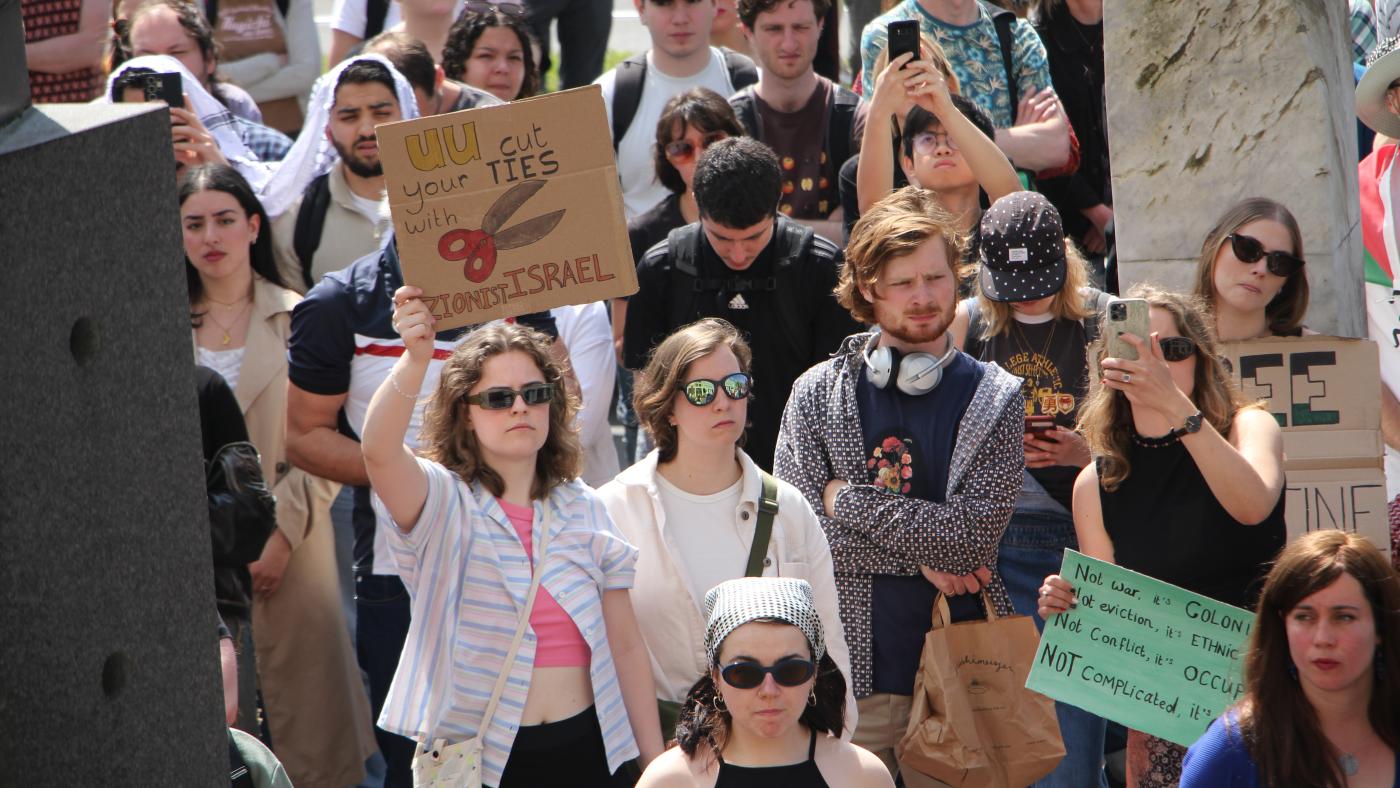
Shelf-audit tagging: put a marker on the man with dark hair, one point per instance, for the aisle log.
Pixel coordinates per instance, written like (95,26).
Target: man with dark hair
(343,214)
(436,93)
(813,124)
(910,453)
(744,262)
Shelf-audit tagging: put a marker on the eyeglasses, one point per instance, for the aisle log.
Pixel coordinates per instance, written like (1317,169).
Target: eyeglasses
(701,392)
(682,151)
(926,142)
(790,672)
(502,398)
(1177,348)
(1249,250)
(509,9)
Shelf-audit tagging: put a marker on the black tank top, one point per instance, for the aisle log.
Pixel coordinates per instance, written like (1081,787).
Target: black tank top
(1165,523)
(797,775)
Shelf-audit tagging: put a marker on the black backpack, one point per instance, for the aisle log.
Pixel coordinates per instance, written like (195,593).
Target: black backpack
(795,241)
(839,119)
(632,75)
(311,222)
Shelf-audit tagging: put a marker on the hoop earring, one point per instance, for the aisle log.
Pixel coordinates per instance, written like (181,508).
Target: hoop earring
(718,703)
(812,698)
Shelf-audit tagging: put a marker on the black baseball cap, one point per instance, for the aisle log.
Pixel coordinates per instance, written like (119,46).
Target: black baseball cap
(1023,249)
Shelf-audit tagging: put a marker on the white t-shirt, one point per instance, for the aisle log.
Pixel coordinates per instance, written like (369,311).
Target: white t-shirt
(351,16)
(635,166)
(587,332)
(711,554)
(228,363)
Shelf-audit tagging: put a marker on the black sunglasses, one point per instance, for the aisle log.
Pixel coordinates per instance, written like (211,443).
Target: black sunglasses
(502,398)
(1249,250)
(1177,348)
(790,672)
(701,392)
(509,9)
(683,151)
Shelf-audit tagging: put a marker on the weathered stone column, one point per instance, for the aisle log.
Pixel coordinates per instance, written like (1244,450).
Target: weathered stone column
(1212,102)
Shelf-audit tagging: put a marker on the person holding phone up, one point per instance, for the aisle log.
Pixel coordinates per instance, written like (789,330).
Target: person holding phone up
(1187,486)
(1034,316)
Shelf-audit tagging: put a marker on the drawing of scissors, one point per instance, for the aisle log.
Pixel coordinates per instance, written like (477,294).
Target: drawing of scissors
(479,247)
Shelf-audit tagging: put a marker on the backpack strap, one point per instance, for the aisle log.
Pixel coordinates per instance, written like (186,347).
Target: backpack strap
(746,109)
(796,240)
(1096,302)
(763,530)
(311,222)
(840,117)
(1004,20)
(627,94)
(742,71)
(376,11)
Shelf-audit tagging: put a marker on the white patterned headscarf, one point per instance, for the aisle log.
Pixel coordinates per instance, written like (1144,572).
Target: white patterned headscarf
(214,115)
(313,155)
(733,603)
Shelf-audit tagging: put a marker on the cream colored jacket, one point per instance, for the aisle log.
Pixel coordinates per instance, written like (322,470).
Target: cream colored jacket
(672,624)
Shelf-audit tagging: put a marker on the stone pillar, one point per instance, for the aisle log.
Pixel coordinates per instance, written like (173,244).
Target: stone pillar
(1210,103)
(109,670)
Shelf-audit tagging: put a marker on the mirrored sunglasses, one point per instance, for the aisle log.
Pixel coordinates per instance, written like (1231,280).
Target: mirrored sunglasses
(790,672)
(701,392)
(1177,348)
(509,9)
(682,151)
(1248,250)
(502,398)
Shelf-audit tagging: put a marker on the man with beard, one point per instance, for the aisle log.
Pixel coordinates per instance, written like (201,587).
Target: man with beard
(743,261)
(343,213)
(909,451)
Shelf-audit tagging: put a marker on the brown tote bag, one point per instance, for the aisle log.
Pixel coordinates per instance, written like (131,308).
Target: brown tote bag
(973,721)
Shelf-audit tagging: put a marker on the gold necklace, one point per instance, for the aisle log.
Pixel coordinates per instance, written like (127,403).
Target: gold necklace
(226,339)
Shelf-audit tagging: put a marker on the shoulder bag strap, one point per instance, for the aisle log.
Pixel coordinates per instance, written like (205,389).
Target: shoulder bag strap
(519,632)
(763,532)
(1004,21)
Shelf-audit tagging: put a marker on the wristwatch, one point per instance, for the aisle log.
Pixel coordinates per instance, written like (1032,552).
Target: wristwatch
(1191,427)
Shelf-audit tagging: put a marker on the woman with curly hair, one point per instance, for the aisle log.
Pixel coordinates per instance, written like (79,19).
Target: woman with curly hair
(1187,486)
(491,530)
(768,709)
(492,49)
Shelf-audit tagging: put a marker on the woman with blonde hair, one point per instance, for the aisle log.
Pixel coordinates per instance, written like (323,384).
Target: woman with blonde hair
(1321,703)
(491,530)
(1252,273)
(701,511)
(1187,486)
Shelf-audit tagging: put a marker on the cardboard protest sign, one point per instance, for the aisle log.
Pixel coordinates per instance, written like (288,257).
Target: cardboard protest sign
(508,209)
(1147,654)
(1325,394)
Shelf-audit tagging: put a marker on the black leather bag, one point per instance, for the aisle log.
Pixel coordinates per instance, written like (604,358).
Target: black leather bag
(242,511)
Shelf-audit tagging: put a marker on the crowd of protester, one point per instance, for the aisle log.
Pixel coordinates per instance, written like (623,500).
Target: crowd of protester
(863,369)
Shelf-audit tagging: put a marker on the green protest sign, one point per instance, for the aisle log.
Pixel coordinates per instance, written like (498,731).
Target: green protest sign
(1147,654)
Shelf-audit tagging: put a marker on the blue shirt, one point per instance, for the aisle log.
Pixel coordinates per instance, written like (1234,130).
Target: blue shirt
(908,442)
(1220,759)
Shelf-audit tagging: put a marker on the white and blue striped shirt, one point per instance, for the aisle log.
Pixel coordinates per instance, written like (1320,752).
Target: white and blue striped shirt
(468,575)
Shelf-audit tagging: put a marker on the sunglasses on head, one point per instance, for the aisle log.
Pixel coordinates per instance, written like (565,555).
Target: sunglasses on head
(1177,348)
(701,392)
(509,9)
(682,151)
(790,672)
(1249,250)
(502,398)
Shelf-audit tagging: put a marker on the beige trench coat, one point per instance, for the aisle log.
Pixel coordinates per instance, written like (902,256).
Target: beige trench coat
(317,710)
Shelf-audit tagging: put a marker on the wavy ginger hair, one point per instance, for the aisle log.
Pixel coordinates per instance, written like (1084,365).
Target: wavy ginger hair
(1106,420)
(449,439)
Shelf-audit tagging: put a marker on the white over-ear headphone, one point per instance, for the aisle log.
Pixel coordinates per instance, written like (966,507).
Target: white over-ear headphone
(914,374)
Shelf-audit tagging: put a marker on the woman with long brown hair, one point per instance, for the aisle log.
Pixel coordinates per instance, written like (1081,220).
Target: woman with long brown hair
(1325,646)
(1187,485)
(492,530)
(1252,274)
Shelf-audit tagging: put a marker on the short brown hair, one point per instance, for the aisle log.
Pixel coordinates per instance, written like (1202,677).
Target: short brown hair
(1283,315)
(654,393)
(448,440)
(701,108)
(750,9)
(893,227)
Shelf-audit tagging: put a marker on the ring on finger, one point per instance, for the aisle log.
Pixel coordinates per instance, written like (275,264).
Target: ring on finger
(1127,377)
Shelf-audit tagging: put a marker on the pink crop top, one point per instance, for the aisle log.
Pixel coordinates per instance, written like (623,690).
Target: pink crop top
(558,643)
